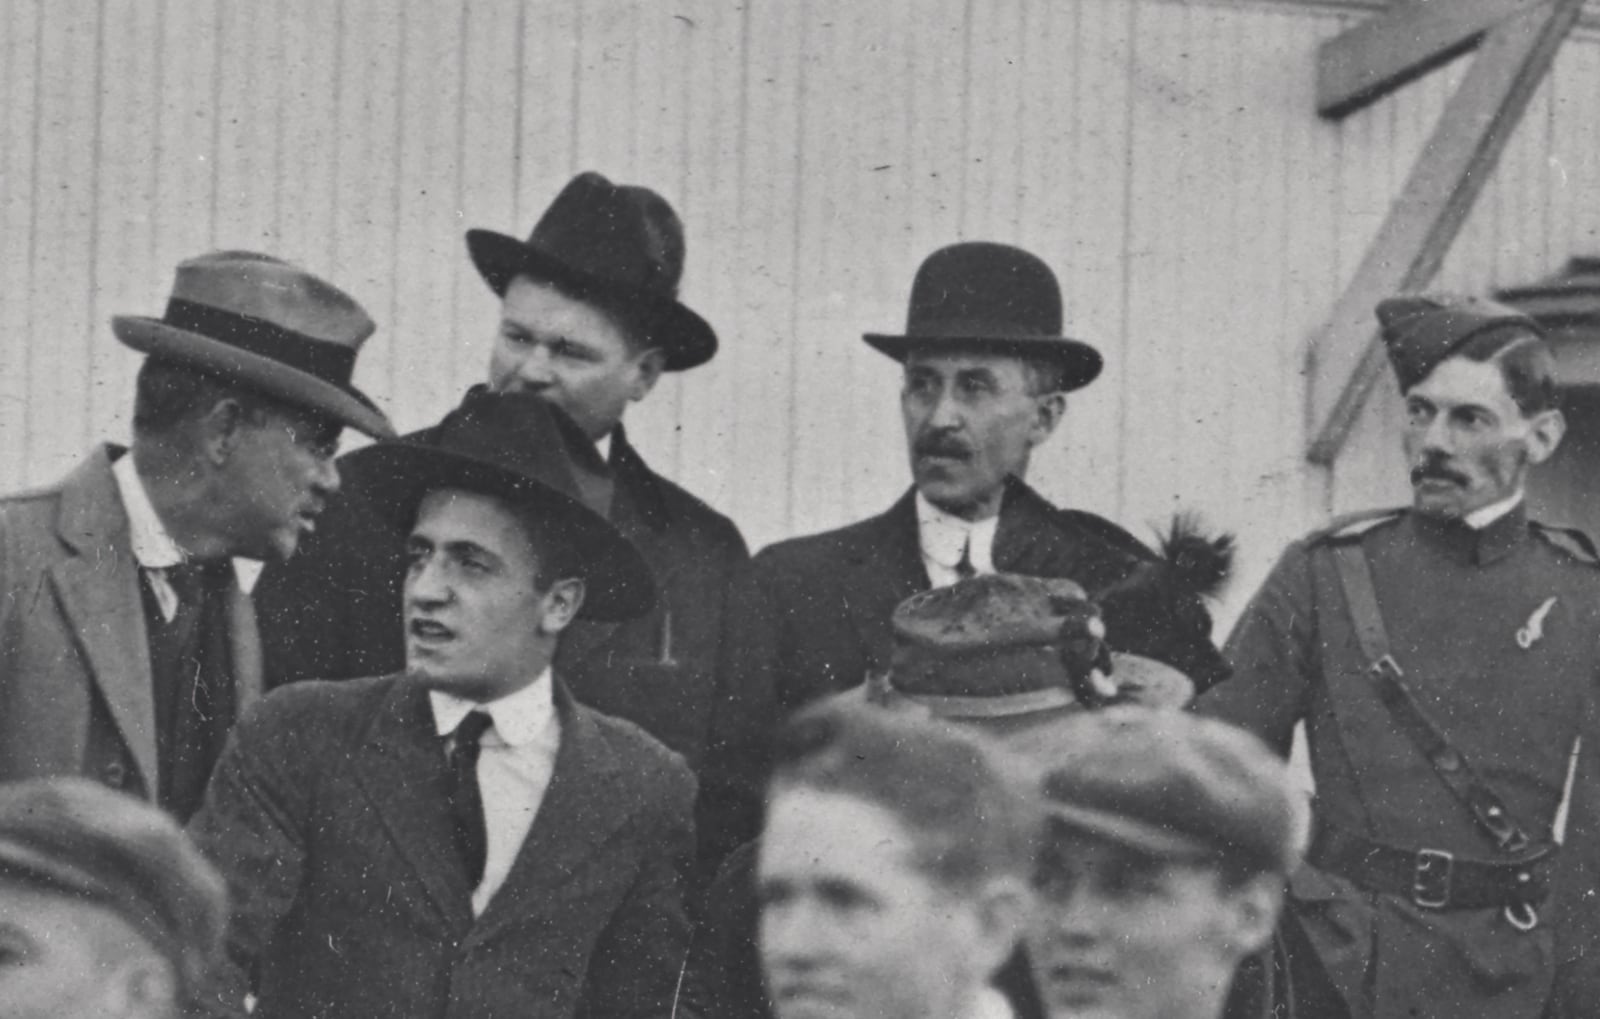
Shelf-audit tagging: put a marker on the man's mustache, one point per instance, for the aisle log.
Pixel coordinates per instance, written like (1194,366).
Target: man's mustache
(1436,470)
(941,445)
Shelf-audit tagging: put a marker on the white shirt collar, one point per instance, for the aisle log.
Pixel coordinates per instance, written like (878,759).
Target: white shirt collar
(153,546)
(944,536)
(602,446)
(519,717)
(1483,516)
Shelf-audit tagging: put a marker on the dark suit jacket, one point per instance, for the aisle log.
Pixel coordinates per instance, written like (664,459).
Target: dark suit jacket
(76,696)
(818,621)
(328,815)
(333,612)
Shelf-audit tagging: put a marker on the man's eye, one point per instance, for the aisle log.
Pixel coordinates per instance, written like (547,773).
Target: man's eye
(977,387)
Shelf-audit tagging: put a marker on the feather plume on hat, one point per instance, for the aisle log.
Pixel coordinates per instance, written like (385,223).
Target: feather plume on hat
(1159,612)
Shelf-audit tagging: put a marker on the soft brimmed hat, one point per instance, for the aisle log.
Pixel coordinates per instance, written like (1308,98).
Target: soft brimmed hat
(266,324)
(92,844)
(992,297)
(1422,330)
(1175,785)
(618,245)
(514,446)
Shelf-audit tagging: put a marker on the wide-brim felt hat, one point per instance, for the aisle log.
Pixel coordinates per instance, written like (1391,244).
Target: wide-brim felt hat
(620,246)
(266,324)
(515,447)
(978,295)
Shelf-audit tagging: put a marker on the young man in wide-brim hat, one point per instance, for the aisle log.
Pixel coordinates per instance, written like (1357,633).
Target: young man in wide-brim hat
(127,646)
(589,318)
(986,368)
(463,837)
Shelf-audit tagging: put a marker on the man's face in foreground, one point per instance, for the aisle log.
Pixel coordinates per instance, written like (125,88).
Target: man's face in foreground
(853,927)
(478,623)
(970,421)
(62,957)
(1467,443)
(1120,934)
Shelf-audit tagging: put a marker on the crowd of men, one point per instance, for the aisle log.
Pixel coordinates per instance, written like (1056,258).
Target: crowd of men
(508,724)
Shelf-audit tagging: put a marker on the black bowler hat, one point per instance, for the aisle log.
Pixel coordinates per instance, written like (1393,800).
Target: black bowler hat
(617,245)
(1422,330)
(993,297)
(513,446)
(260,321)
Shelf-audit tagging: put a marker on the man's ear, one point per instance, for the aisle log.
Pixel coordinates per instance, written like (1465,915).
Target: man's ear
(649,366)
(1251,914)
(145,986)
(561,604)
(1545,431)
(1005,908)
(1049,409)
(221,428)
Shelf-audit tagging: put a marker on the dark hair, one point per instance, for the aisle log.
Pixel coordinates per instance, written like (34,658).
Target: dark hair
(971,819)
(1526,363)
(1042,374)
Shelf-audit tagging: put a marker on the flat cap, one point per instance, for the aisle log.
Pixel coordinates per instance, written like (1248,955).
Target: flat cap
(1175,785)
(93,844)
(1422,330)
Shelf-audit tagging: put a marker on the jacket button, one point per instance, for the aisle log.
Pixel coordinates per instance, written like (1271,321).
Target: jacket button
(116,774)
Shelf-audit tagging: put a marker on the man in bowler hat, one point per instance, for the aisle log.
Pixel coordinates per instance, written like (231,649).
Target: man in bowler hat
(127,646)
(106,909)
(1168,839)
(589,319)
(986,373)
(1443,660)
(462,837)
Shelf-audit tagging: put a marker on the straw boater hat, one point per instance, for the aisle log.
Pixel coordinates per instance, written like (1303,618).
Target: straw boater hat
(266,324)
(618,245)
(993,297)
(512,446)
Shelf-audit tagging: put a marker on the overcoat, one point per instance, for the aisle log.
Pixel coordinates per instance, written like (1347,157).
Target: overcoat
(329,816)
(334,611)
(1498,634)
(76,694)
(818,620)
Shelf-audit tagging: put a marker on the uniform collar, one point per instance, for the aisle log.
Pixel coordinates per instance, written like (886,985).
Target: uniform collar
(519,717)
(1483,516)
(602,446)
(944,537)
(1497,538)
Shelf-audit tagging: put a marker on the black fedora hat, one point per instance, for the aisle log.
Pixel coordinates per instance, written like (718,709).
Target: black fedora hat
(618,245)
(270,325)
(978,294)
(513,446)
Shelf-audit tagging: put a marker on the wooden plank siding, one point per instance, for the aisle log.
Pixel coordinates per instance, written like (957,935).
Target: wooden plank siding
(1164,157)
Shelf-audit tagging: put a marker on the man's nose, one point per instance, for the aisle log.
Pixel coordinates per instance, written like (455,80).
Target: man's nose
(328,480)
(534,369)
(427,584)
(1437,437)
(945,414)
(793,935)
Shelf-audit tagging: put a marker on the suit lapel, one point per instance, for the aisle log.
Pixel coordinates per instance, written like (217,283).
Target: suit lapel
(98,589)
(402,769)
(580,811)
(885,569)
(1029,539)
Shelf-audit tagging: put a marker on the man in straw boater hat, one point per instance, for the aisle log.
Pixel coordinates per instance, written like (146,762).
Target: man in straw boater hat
(589,319)
(462,837)
(1168,839)
(127,646)
(1009,658)
(1443,660)
(106,909)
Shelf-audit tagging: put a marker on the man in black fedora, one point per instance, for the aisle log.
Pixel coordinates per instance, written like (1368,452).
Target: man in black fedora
(986,373)
(589,319)
(462,838)
(127,645)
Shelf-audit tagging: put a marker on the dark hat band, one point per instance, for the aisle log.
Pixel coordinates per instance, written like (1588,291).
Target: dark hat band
(331,362)
(935,327)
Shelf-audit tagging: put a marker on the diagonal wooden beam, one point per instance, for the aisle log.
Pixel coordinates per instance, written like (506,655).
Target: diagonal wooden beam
(1345,358)
(1363,64)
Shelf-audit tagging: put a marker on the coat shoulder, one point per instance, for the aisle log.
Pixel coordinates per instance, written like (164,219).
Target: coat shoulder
(1103,532)
(318,713)
(1354,526)
(1572,543)
(826,548)
(699,518)
(649,762)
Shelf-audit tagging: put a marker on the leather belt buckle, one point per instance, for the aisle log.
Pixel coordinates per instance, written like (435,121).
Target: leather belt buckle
(1430,878)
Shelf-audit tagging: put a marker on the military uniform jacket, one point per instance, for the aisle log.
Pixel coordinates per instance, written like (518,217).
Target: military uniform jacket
(1496,631)
(76,693)
(819,620)
(334,611)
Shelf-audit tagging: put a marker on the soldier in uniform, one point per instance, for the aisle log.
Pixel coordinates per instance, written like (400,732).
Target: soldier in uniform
(1441,658)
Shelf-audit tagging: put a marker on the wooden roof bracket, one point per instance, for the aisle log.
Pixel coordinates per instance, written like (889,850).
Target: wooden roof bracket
(1517,42)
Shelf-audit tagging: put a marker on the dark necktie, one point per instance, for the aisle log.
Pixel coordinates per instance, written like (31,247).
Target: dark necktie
(964,568)
(466,802)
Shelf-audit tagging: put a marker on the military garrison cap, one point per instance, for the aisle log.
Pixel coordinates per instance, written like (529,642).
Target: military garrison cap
(92,844)
(1175,785)
(1422,330)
